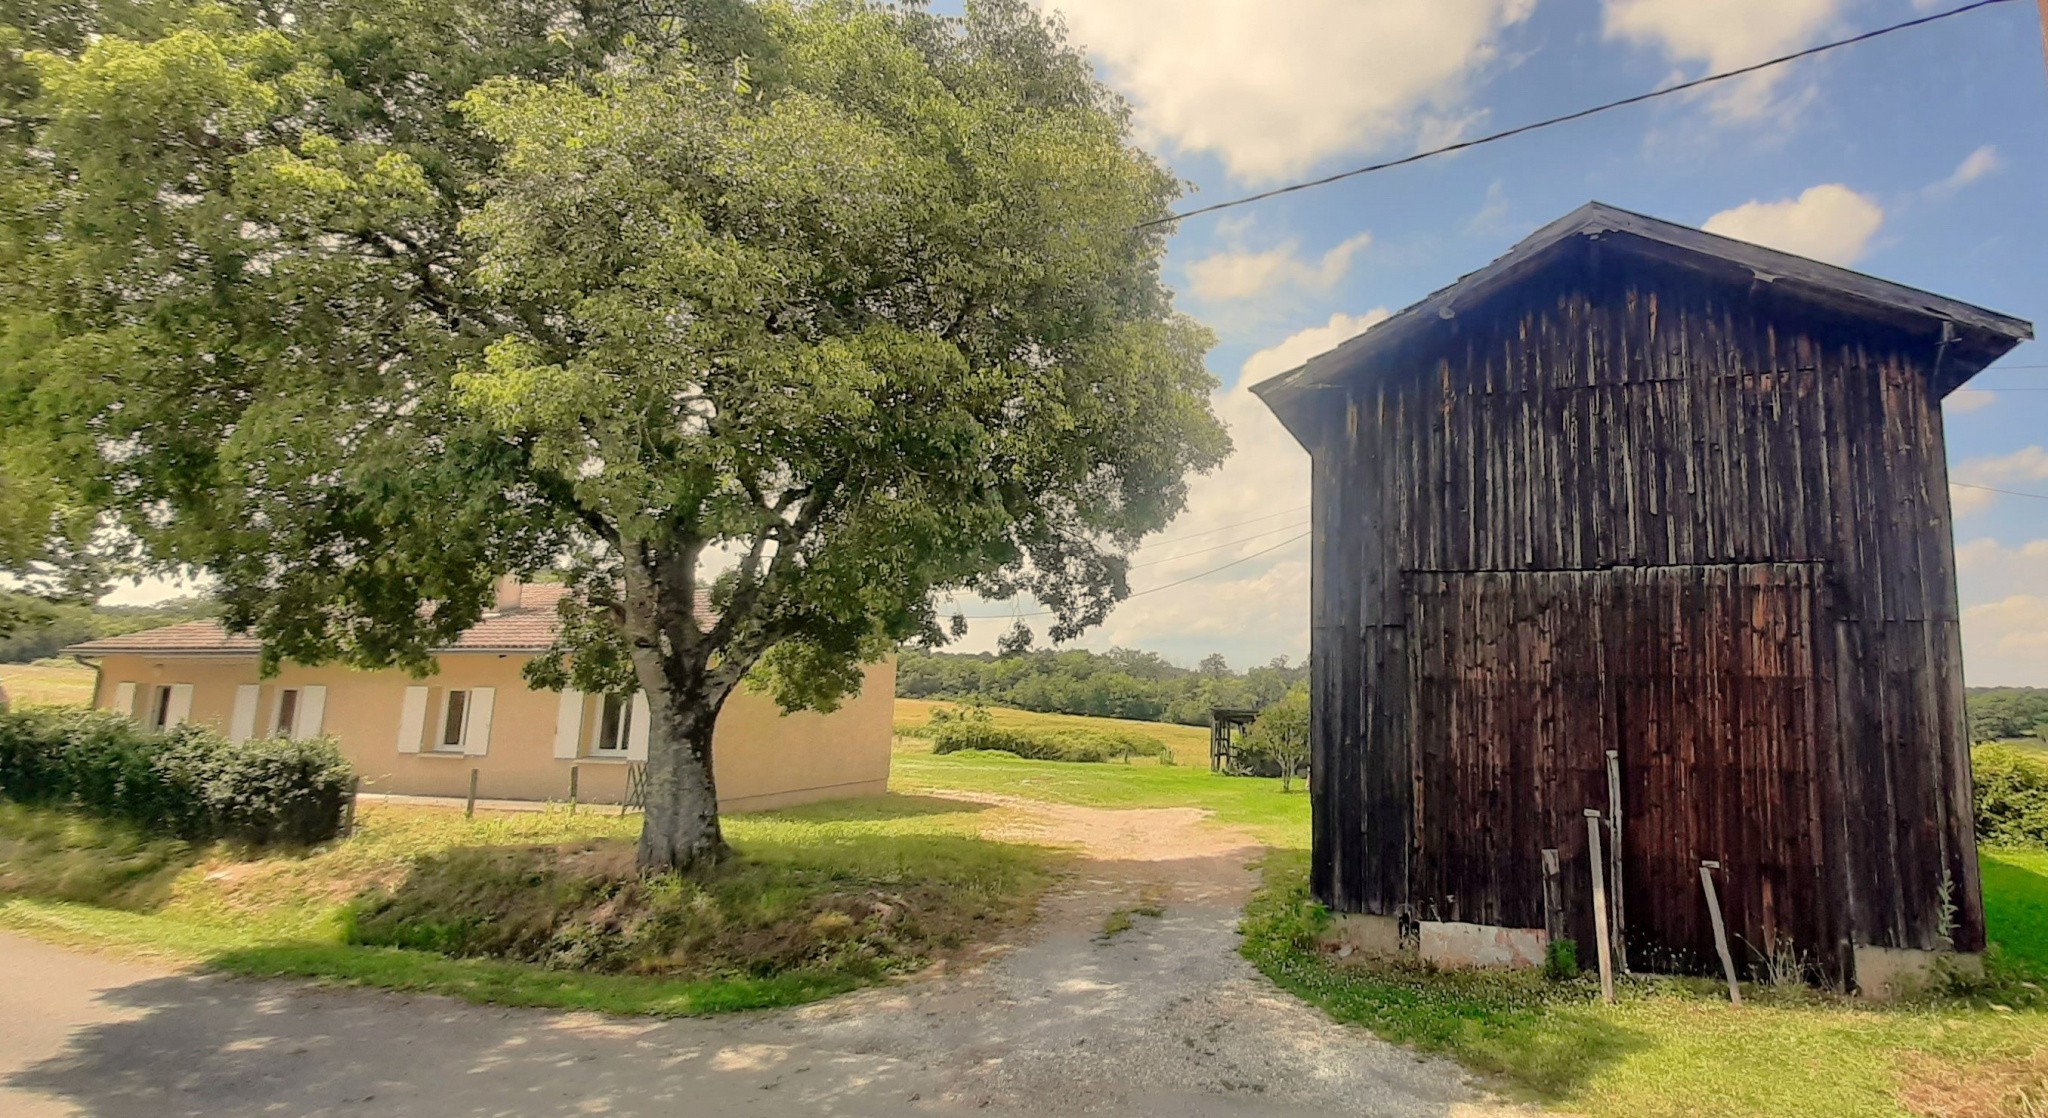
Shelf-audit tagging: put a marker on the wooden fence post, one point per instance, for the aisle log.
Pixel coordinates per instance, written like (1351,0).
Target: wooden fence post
(1720,930)
(1553,897)
(1614,883)
(572,789)
(348,811)
(1600,906)
(469,809)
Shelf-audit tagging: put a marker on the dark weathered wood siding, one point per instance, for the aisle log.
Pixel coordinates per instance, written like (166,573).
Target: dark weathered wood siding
(1646,512)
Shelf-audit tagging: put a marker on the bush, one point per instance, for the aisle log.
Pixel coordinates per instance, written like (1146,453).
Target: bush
(1044,745)
(190,782)
(1561,960)
(2012,795)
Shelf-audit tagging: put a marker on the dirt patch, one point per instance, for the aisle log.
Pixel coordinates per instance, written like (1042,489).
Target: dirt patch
(1935,1088)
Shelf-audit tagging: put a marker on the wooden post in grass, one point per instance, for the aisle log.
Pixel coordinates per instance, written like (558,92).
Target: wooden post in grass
(572,789)
(469,809)
(348,810)
(1614,881)
(1720,930)
(1600,906)
(1553,897)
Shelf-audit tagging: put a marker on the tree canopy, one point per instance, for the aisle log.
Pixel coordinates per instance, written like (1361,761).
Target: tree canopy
(820,307)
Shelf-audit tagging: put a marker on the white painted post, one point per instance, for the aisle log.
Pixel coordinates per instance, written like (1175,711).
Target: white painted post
(1600,906)
(1720,930)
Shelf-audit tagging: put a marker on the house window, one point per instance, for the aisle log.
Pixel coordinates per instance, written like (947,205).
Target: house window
(287,713)
(614,727)
(454,723)
(160,708)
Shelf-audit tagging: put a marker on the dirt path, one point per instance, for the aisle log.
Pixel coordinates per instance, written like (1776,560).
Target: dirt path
(1163,1019)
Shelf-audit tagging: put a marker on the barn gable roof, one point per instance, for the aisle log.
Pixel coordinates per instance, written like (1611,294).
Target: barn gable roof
(1975,337)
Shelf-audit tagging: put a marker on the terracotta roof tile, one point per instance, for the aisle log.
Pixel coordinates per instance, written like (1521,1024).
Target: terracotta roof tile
(528,628)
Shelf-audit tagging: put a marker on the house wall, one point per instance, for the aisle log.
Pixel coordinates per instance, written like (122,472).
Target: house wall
(1651,434)
(761,757)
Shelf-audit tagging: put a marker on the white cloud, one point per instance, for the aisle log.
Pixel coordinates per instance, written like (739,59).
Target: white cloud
(1976,165)
(1240,273)
(2005,643)
(1271,88)
(1710,37)
(2028,464)
(1250,612)
(1492,216)
(1828,222)
(1963,401)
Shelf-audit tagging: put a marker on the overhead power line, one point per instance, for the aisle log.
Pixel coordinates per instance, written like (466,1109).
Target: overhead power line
(1569,117)
(1993,489)
(1153,590)
(1221,546)
(1219,528)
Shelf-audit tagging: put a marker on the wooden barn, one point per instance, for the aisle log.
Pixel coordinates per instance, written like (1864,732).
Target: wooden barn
(1637,490)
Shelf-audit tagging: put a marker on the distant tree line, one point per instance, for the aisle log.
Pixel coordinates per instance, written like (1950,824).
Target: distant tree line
(46,628)
(1120,683)
(2004,713)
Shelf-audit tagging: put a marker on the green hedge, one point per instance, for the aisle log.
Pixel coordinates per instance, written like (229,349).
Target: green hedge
(2012,795)
(1045,745)
(190,782)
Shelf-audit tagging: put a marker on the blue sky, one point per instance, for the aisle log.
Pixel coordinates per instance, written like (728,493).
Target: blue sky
(1918,157)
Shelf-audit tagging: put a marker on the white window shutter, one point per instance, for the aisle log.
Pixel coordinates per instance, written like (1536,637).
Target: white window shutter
(242,723)
(179,711)
(124,699)
(568,724)
(312,711)
(412,720)
(476,734)
(636,738)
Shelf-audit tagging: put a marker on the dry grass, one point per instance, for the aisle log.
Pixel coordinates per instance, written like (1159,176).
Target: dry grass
(1931,1087)
(48,683)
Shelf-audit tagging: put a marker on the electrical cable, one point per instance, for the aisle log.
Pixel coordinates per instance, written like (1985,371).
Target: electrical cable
(1569,117)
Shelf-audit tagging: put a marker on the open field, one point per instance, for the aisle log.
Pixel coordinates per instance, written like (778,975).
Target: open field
(47,683)
(1190,744)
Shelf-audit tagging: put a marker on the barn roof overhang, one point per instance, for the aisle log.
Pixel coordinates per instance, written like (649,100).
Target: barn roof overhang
(1967,337)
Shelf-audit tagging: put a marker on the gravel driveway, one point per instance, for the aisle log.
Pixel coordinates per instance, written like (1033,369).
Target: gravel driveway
(1163,1019)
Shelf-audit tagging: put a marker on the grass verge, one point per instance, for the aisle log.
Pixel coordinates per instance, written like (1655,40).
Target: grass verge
(540,909)
(1670,1047)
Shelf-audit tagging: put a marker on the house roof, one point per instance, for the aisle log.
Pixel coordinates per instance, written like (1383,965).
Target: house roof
(1974,337)
(530,627)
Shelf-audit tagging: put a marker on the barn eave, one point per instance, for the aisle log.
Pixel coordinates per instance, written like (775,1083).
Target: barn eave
(1968,337)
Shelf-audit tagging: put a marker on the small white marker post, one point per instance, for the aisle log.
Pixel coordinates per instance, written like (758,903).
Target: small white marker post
(1600,906)
(1720,930)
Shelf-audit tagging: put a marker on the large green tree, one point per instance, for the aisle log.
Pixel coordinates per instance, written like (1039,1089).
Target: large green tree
(823,308)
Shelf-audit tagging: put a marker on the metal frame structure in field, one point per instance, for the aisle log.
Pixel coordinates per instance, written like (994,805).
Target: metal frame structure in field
(1641,491)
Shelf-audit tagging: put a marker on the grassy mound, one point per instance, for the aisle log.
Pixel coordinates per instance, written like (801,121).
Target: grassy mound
(581,906)
(540,908)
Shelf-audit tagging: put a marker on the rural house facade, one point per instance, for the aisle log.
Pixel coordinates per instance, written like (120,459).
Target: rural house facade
(423,736)
(1644,521)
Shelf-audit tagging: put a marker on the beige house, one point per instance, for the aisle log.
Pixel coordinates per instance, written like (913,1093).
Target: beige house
(423,736)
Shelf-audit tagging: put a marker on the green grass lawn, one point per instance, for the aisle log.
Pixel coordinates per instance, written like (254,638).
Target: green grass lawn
(1256,804)
(1672,1047)
(304,913)
(48,683)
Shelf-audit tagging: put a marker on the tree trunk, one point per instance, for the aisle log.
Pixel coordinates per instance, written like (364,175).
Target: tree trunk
(680,829)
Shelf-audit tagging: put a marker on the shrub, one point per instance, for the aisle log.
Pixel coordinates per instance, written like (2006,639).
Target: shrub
(190,782)
(1561,959)
(1044,745)
(2012,795)
(1278,740)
